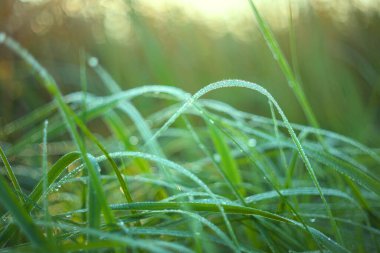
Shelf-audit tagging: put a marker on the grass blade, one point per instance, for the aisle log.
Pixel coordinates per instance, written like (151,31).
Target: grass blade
(94,212)
(20,215)
(52,175)
(227,161)
(49,233)
(12,177)
(284,65)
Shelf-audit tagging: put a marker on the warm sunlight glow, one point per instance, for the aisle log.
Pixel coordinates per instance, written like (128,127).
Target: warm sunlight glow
(230,16)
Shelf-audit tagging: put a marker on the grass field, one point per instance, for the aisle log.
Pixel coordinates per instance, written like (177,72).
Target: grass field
(154,168)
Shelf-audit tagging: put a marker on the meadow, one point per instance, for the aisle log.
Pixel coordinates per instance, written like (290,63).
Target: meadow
(243,163)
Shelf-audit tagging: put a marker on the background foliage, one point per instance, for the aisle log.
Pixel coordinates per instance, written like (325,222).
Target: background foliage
(336,59)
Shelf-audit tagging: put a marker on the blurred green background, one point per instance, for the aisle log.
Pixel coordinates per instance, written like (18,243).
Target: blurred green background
(190,44)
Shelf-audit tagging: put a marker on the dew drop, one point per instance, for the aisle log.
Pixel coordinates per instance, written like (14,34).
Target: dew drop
(312,220)
(2,37)
(252,142)
(133,140)
(93,62)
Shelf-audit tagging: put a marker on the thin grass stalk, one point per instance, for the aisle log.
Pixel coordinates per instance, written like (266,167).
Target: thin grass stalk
(45,203)
(16,186)
(276,133)
(284,65)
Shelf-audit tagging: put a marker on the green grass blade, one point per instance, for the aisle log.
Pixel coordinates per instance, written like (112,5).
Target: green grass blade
(368,181)
(52,175)
(277,135)
(212,158)
(230,243)
(94,210)
(284,65)
(45,207)
(301,191)
(227,161)
(21,217)
(116,239)
(128,108)
(30,119)
(12,177)
(116,125)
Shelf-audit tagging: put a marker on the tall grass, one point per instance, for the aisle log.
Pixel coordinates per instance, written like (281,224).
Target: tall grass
(188,174)
(301,97)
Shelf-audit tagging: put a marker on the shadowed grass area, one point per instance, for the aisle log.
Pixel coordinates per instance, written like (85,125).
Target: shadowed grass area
(187,174)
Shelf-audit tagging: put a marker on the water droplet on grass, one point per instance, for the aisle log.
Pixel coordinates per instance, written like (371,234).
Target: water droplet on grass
(2,37)
(133,140)
(93,62)
(252,142)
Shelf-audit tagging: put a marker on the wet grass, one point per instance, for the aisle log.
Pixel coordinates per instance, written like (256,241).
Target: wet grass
(187,173)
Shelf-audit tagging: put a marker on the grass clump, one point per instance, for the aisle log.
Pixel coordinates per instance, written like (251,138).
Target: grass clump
(188,174)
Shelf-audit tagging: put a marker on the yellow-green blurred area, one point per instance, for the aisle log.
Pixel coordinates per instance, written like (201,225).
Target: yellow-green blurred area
(189,44)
